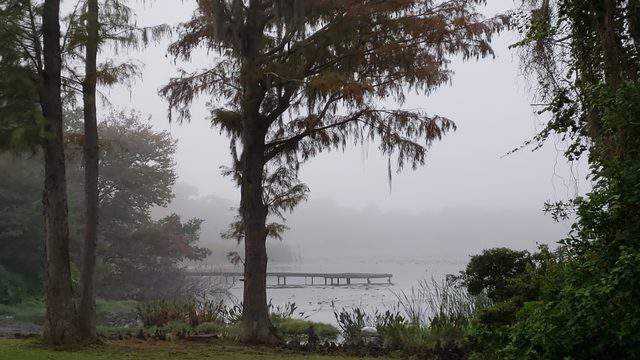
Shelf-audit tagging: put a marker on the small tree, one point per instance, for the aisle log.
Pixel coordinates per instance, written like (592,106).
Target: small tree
(494,272)
(298,77)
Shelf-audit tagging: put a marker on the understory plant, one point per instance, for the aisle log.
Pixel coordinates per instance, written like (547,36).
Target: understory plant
(431,317)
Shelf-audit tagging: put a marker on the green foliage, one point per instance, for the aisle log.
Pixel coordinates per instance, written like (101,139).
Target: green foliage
(32,310)
(123,332)
(589,313)
(192,350)
(12,287)
(21,224)
(445,303)
(488,334)
(586,57)
(215,328)
(493,272)
(351,324)
(21,121)
(298,328)
(431,319)
(297,78)
(137,257)
(512,279)
(192,312)
(29,310)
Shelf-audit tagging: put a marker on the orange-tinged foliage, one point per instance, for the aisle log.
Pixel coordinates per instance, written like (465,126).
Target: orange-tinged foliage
(310,75)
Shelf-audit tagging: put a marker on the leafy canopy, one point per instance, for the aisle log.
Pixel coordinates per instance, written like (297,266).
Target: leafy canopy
(306,76)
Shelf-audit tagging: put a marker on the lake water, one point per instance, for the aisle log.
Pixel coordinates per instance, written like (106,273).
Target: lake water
(316,301)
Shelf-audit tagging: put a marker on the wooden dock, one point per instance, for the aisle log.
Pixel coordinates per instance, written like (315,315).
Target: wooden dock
(309,278)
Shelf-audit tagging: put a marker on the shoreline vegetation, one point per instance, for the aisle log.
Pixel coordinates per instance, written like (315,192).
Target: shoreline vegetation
(293,79)
(428,321)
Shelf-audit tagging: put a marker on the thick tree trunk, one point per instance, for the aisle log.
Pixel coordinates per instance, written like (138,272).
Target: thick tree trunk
(60,322)
(256,325)
(87,311)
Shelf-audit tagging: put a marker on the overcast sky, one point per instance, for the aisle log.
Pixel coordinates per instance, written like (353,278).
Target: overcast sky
(488,99)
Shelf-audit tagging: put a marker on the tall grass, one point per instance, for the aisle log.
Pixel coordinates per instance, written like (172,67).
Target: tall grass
(436,303)
(428,318)
(193,312)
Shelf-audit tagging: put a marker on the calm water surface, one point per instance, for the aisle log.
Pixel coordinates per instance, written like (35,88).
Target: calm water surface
(317,302)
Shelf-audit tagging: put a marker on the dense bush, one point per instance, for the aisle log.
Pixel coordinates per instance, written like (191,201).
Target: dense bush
(494,272)
(299,329)
(512,279)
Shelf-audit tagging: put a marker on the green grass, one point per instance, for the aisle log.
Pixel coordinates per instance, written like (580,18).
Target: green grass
(33,310)
(133,349)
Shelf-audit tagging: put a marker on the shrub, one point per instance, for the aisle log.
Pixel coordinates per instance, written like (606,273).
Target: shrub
(210,328)
(159,313)
(489,334)
(204,311)
(298,328)
(193,312)
(351,324)
(493,272)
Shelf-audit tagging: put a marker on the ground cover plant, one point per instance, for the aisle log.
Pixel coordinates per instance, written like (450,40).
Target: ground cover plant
(132,349)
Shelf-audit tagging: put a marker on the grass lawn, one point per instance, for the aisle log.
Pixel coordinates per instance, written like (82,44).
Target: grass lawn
(33,310)
(150,350)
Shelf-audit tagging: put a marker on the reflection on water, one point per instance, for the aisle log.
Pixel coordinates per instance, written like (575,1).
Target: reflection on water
(317,301)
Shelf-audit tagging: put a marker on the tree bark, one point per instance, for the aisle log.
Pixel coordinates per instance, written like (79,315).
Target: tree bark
(87,310)
(256,324)
(610,43)
(60,322)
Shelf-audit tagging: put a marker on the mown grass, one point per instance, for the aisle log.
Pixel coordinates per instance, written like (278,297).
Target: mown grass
(150,350)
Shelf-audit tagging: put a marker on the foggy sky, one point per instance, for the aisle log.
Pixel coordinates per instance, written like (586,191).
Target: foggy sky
(466,172)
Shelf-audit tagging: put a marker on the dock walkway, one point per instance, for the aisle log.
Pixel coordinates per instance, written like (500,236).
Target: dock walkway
(309,277)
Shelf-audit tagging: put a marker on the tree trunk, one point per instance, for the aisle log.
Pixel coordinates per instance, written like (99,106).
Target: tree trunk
(60,322)
(256,325)
(87,311)
(612,49)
